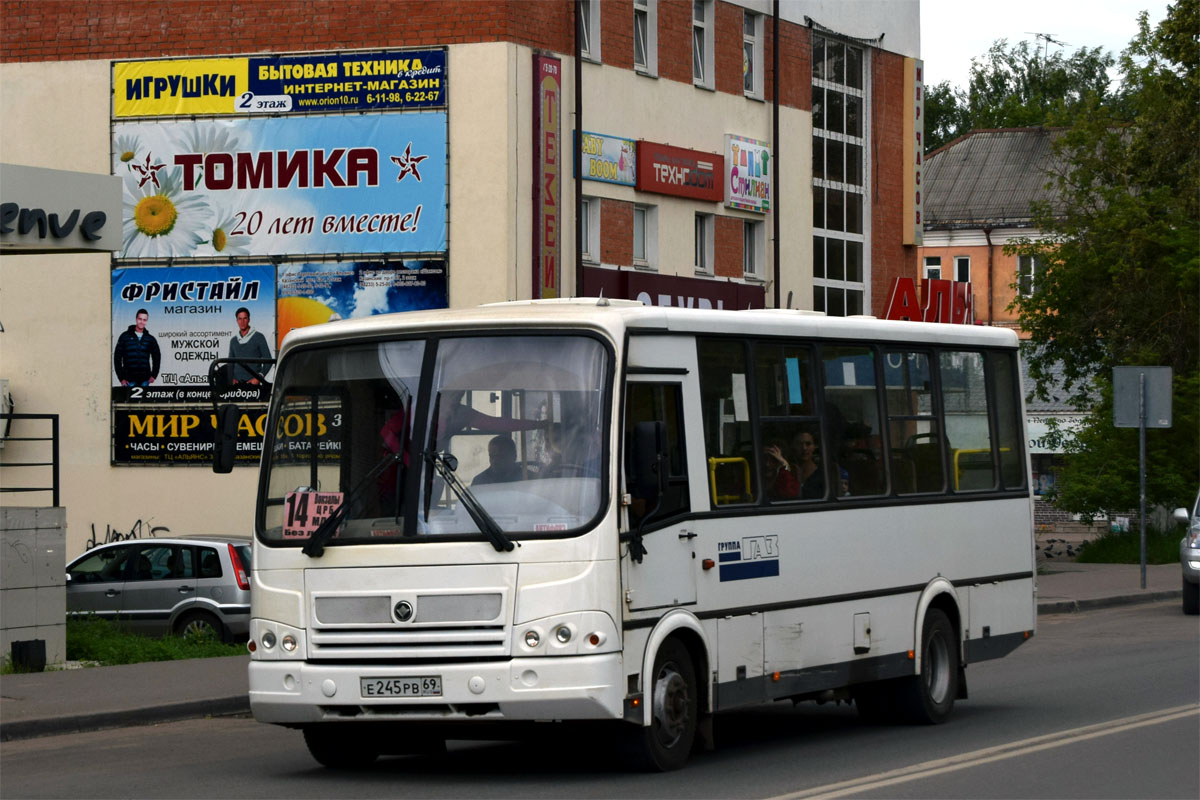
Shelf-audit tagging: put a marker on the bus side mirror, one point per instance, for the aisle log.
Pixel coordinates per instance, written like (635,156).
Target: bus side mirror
(649,459)
(226,438)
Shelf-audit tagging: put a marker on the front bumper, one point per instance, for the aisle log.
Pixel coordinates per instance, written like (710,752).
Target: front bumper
(557,688)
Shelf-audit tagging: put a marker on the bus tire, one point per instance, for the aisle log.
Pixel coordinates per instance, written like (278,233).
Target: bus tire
(664,745)
(339,747)
(928,698)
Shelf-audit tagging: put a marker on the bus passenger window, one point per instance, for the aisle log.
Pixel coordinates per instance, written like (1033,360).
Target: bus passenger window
(1008,419)
(793,462)
(912,424)
(657,402)
(968,433)
(728,437)
(852,419)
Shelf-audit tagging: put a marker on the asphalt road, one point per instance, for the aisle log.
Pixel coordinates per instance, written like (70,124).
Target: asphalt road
(1099,704)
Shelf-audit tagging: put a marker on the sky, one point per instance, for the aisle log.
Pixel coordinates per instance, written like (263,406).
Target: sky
(953,31)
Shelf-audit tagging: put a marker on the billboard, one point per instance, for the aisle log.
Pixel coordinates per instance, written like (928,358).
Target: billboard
(310,294)
(747,174)
(170,323)
(259,186)
(610,159)
(281,84)
(678,171)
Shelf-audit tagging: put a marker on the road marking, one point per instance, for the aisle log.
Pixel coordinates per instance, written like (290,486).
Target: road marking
(987,755)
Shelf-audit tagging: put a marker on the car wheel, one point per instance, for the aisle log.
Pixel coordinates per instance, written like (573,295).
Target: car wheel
(665,744)
(928,698)
(200,623)
(1191,597)
(339,746)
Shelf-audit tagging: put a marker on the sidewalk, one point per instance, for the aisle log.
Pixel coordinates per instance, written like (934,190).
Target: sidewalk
(66,701)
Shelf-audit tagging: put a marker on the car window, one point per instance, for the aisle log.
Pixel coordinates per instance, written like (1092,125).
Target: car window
(102,566)
(185,562)
(210,563)
(153,562)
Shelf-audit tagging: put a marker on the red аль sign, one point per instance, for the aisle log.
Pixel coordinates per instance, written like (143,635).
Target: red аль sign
(945,301)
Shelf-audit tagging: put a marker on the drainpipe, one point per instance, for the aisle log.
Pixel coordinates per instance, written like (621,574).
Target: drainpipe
(987,234)
(775,139)
(578,155)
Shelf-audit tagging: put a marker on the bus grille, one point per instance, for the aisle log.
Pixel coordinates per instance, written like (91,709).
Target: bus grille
(409,643)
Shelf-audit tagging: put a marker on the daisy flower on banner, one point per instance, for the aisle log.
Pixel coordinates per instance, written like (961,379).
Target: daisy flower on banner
(126,149)
(222,241)
(162,221)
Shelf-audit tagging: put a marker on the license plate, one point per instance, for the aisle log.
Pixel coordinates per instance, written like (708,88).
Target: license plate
(422,686)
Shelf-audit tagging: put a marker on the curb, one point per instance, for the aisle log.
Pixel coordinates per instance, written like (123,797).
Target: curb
(1075,606)
(80,723)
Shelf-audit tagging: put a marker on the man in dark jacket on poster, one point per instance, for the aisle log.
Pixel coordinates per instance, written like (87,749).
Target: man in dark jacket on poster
(136,356)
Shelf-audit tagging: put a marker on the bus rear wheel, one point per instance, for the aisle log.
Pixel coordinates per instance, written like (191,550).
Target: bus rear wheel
(928,698)
(665,744)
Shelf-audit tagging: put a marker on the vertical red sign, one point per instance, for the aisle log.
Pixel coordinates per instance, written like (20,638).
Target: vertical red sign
(547,169)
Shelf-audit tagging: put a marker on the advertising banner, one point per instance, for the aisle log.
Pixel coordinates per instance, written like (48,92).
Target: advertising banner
(310,294)
(258,186)
(669,290)
(678,171)
(610,159)
(169,323)
(371,81)
(748,174)
(547,168)
(184,436)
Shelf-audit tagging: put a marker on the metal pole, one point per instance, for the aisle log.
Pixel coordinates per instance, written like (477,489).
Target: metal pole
(1142,465)
(578,154)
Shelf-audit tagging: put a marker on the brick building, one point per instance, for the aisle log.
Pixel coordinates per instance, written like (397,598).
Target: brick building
(733,154)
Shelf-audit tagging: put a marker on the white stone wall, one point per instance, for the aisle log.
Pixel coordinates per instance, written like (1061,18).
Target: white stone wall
(33,598)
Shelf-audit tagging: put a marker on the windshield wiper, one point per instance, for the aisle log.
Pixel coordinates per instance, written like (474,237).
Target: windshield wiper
(446,464)
(315,546)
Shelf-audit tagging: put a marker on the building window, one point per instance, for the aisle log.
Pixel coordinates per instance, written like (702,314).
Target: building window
(1029,273)
(753,248)
(704,243)
(841,208)
(645,36)
(962,269)
(752,85)
(589,29)
(702,43)
(933,268)
(645,236)
(589,216)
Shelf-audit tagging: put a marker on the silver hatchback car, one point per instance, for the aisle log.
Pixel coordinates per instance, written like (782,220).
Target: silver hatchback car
(168,585)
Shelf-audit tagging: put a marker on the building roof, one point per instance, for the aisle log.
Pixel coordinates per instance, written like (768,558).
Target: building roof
(989,178)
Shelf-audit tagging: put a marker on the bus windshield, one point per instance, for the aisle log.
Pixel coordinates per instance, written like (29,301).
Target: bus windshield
(455,436)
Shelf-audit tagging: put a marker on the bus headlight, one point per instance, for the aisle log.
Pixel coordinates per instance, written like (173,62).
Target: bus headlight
(532,639)
(289,643)
(563,634)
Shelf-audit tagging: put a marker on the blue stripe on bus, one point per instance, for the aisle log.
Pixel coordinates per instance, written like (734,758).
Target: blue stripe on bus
(767,568)
(736,555)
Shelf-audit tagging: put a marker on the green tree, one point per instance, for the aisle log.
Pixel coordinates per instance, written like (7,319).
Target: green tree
(1122,278)
(1015,86)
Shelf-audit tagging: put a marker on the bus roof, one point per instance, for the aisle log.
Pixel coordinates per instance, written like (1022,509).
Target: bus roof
(618,316)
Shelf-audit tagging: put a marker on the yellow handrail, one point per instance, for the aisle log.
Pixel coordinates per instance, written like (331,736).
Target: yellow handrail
(712,480)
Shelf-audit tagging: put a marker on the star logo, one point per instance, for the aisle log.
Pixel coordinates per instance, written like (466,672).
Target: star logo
(148,171)
(408,164)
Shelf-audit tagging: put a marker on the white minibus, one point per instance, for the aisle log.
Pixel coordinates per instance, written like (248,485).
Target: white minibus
(557,511)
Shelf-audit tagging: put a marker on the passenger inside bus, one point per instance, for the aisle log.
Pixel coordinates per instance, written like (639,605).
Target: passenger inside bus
(502,462)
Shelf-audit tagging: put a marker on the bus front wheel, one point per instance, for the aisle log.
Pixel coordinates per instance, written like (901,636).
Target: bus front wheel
(339,746)
(928,698)
(664,745)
